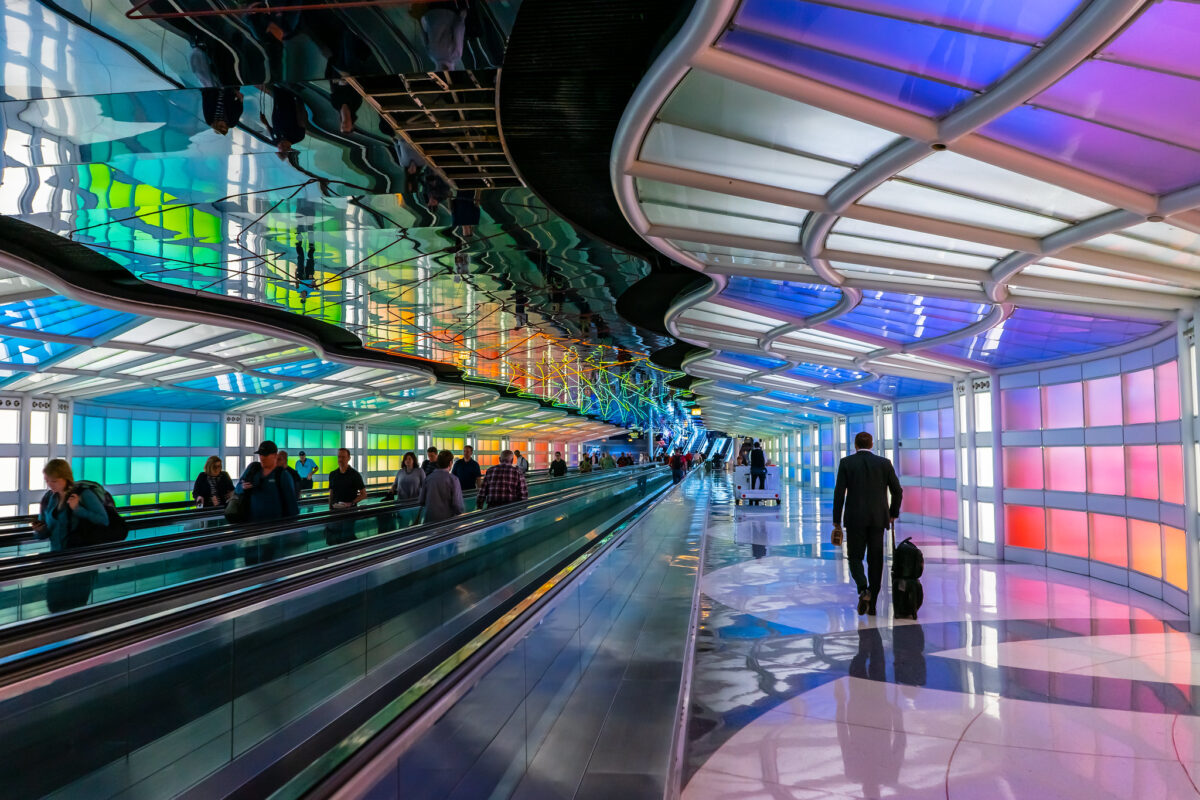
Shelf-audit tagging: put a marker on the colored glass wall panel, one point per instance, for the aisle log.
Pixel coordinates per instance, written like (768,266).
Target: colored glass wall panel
(949,505)
(1067,532)
(931,463)
(1066,469)
(143,470)
(1110,539)
(910,425)
(1141,471)
(1145,547)
(116,432)
(173,468)
(1103,397)
(1138,396)
(948,466)
(1025,526)
(93,431)
(205,434)
(1170,473)
(1023,468)
(928,424)
(116,471)
(173,434)
(1062,406)
(1020,409)
(910,462)
(1106,470)
(1175,557)
(1166,391)
(332,440)
(946,422)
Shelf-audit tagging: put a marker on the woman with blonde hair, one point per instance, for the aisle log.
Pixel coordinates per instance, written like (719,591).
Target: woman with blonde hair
(213,487)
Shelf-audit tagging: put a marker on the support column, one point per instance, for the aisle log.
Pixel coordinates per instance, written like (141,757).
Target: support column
(1185,344)
(998,466)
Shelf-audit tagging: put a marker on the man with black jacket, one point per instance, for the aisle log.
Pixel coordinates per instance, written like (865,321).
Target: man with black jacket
(868,479)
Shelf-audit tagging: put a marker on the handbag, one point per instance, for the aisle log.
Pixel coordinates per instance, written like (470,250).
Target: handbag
(835,538)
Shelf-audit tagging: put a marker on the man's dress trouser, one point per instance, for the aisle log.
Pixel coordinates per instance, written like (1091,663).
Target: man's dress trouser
(869,541)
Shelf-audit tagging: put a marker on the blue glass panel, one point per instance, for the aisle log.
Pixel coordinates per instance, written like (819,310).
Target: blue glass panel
(892,387)
(1031,335)
(844,407)
(739,387)
(797,299)
(959,58)
(239,383)
(916,94)
(1025,21)
(166,398)
(908,318)
(825,374)
(63,316)
(310,368)
(28,351)
(757,362)
(791,398)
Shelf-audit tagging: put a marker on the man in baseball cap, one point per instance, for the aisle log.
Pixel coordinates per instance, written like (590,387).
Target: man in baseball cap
(271,493)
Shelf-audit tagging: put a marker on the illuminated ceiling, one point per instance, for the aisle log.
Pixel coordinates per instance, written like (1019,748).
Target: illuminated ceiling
(892,194)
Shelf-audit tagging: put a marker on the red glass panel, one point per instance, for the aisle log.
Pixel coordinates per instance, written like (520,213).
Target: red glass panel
(1020,409)
(1067,532)
(1103,401)
(1141,471)
(1106,470)
(1022,468)
(1170,473)
(1166,391)
(1062,406)
(911,503)
(949,468)
(1145,547)
(1066,469)
(910,462)
(1138,395)
(1175,557)
(1025,526)
(1110,539)
(931,463)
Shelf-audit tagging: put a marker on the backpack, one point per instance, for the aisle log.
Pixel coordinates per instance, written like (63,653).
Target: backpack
(85,533)
(238,508)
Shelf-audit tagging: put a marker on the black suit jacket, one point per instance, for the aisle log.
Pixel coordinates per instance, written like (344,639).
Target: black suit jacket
(868,478)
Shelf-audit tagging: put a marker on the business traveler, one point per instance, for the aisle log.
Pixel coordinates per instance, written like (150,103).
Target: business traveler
(868,479)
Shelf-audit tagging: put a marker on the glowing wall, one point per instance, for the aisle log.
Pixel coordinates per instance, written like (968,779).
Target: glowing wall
(922,450)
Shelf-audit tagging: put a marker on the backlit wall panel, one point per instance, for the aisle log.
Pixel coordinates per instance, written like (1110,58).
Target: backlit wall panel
(925,461)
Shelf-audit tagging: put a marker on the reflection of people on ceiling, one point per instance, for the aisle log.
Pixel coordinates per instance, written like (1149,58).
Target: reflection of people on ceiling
(435,191)
(519,310)
(289,120)
(220,103)
(465,211)
(445,27)
(871,753)
(278,26)
(350,56)
(462,265)
(306,268)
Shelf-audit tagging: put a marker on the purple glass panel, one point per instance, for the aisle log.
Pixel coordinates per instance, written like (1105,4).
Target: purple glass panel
(1142,163)
(946,422)
(908,425)
(1164,37)
(949,467)
(958,58)
(1020,409)
(929,424)
(1062,405)
(907,91)
(931,463)
(1158,105)
(1031,22)
(910,463)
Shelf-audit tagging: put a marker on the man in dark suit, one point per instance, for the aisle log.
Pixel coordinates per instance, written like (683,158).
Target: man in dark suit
(869,479)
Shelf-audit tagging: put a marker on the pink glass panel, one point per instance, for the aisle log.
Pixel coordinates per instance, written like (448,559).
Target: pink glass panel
(931,463)
(1163,37)
(1141,471)
(1025,526)
(929,424)
(932,502)
(1145,547)
(1138,395)
(1020,409)
(1066,469)
(1106,470)
(911,503)
(1166,391)
(910,462)
(1062,406)
(1067,532)
(1170,473)
(1103,401)
(1175,557)
(1022,468)
(1110,540)
(949,505)
(949,468)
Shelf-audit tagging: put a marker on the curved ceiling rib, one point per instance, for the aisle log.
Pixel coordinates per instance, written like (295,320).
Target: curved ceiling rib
(938,203)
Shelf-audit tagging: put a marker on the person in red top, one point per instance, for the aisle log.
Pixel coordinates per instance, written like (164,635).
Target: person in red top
(687,462)
(503,484)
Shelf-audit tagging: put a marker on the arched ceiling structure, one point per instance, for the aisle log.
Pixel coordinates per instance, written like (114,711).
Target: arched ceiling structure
(892,194)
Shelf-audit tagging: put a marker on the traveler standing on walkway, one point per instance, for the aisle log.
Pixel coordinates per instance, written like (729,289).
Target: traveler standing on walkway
(269,489)
(282,461)
(410,478)
(607,462)
(65,507)
(467,469)
(676,462)
(522,462)
(503,484)
(430,462)
(758,467)
(868,479)
(585,465)
(441,493)
(558,467)
(305,468)
(346,487)
(213,486)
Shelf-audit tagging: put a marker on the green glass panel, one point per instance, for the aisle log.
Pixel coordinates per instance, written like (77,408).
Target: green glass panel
(93,432)
(120,500)
(272,433)
(172,469)
(458,444)
(145,433)
(393,442)
(77,425)
(196,466)
(143,469)
(116,471)
(142,499)
(372,441)
(408,443)
(205,434)
(328,464)
(174,434)
(173,497)
(295,438)
(330,440)
(93,469)
(116,432)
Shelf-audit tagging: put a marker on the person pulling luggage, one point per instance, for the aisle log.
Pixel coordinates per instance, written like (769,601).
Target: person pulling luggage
(868,479)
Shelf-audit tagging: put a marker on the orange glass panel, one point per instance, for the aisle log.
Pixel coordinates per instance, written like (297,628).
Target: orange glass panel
(1175,557)
(1025,526)
(1141,471)
(1110,539)
(1170,473)
(1020,409)
(1067,532)
(1022,468)
(1066,469)
(1137,390)
(1106,470)
(1103,397)
(1145,547)
(1166,391)
(1062,406)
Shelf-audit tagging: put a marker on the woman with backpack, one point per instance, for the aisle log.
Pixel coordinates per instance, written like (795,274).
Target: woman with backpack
(65,507)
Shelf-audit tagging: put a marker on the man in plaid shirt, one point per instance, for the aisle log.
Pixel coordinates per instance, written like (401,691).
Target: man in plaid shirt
(503,484)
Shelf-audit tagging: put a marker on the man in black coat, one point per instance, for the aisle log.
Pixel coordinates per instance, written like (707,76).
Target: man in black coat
(869,479)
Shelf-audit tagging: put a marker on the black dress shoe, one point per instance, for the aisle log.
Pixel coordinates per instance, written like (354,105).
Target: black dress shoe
(864,600)
(871,611)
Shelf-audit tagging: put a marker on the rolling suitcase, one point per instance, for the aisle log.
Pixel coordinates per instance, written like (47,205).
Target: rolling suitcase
(908,563)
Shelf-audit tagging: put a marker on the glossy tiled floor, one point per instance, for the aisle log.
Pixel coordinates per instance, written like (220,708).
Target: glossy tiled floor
(1017,682)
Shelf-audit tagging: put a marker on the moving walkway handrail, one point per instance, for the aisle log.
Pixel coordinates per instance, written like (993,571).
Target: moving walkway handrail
(32,646)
